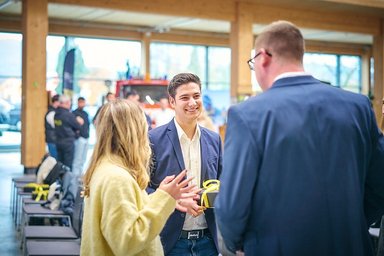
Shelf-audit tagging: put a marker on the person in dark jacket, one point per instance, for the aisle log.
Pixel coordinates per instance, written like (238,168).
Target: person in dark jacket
(81,143)
(50,136)
(109,97)
(135,97)
(67,129)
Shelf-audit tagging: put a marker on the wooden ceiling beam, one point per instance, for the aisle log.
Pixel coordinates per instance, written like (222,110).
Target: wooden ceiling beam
(119,31)
(212,9)
(93,31)
(189,38)
(10,23)
(369,3)
(318,19)
(262,13)
(337,48)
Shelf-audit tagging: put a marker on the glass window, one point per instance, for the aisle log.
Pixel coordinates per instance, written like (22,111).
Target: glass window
(339,70)
(167,60)
(98,64)
(211,64)
(321,66)
(54,45)
(109,59)
(350,73)
(10,90)
(219,66)
(10,52)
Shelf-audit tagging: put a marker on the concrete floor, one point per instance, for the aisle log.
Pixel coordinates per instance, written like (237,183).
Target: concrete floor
(9,167)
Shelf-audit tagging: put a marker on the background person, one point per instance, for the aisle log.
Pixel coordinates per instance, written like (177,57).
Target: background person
(50,136)
(205,121)
(119,217)
(163,115)
(303,170)
(135,97)
(67,128)
(109,97)
(183,144)
(81,143)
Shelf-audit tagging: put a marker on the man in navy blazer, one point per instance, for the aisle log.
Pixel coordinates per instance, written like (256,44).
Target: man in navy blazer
(303,164)
(183,144)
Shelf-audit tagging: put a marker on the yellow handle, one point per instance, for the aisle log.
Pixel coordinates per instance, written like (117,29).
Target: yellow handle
(209,186)
(41,193)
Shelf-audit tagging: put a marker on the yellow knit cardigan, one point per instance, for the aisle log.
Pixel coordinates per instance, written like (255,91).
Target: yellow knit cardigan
(120,218)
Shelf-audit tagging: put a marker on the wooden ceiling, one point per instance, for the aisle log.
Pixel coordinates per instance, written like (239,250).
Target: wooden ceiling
(349,21)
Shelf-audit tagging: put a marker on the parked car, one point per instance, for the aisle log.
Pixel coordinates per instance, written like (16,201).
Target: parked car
(4,115)
(15,118)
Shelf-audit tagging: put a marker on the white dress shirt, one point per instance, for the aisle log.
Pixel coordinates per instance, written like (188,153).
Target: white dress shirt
(190,149)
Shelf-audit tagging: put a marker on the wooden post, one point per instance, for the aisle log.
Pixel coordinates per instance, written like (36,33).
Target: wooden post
(146,55)
(34,97)
(241,41)
(366,71)
(378,63)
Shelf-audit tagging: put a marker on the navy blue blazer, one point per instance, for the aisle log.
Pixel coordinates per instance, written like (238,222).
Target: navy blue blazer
(303,172)
(168,160)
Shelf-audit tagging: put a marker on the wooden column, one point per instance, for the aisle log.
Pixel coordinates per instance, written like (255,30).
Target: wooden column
(378,91)
(34,96)
(366,71)
(241,41)
(146,55)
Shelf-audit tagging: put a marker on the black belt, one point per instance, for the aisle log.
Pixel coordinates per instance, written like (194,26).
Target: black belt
(194,234)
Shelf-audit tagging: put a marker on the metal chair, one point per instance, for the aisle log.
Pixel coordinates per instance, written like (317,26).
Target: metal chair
(48,235)
(62,248)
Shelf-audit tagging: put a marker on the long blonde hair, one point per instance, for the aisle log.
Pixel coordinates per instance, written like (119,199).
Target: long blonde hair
(122,137)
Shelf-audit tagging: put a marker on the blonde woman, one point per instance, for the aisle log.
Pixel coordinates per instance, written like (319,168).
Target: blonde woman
(120,218)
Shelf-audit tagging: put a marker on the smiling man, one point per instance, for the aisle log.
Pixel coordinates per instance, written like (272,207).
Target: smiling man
(183,144)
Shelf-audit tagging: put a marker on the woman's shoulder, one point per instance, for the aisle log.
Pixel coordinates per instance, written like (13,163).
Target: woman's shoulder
(108,170)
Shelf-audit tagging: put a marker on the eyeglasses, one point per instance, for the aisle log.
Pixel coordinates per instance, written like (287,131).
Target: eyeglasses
(251,61)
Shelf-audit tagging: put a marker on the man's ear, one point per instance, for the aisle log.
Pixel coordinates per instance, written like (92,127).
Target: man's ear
(265,58)
(172,102)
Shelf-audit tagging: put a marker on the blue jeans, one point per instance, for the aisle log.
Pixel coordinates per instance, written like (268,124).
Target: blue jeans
(52,150)
(204,246)
(80,155)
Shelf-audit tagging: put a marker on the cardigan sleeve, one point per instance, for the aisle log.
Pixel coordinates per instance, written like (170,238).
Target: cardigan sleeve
(129,223)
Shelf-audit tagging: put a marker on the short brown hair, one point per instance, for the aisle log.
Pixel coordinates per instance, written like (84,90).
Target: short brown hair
(282,39)
(180,79)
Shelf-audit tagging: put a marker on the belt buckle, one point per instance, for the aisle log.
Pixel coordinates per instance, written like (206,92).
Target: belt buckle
(193,235)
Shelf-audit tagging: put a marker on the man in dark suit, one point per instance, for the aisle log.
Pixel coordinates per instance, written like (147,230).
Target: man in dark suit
(183,144)
(303,168)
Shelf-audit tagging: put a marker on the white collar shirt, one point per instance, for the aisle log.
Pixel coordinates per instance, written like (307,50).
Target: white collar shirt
(190,149)
(291,74)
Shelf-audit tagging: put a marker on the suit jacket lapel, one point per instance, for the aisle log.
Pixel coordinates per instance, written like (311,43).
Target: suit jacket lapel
(204,156)
(174,139)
